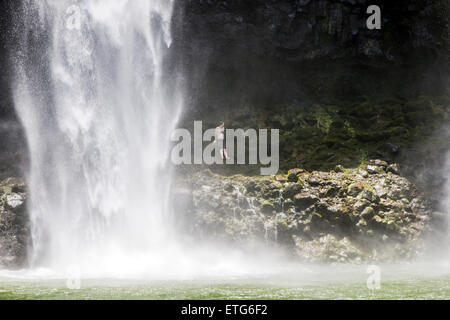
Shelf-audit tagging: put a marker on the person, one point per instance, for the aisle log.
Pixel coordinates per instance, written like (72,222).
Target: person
(220,139)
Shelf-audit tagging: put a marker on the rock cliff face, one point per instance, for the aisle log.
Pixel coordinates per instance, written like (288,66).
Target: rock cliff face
(14,226)
(346,215)
(265,52)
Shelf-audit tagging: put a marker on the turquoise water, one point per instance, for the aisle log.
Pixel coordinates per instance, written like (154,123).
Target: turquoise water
(406,281)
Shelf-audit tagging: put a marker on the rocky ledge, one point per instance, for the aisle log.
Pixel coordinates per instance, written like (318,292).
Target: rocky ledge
(14,226)
(370,213)
(364,214)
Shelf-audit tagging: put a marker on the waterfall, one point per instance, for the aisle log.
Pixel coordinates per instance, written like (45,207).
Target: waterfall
(98,109)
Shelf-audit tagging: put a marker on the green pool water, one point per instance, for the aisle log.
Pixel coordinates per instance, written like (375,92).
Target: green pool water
(437,288)
(343,282)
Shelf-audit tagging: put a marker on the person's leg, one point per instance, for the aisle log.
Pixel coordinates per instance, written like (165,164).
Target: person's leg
(222,149)
(225,154)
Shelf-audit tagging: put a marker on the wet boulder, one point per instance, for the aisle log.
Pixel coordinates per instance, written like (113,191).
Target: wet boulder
(14,224)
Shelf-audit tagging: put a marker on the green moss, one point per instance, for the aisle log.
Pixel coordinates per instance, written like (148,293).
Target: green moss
(349,129)
(323,119)
(321,136)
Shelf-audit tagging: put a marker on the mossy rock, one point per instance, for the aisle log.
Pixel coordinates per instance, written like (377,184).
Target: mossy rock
(355,189)
(368,213)
(292,189)
(267,207)
(293,174)
(303,201)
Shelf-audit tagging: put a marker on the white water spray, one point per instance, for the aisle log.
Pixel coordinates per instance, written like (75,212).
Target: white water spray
(91,93)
